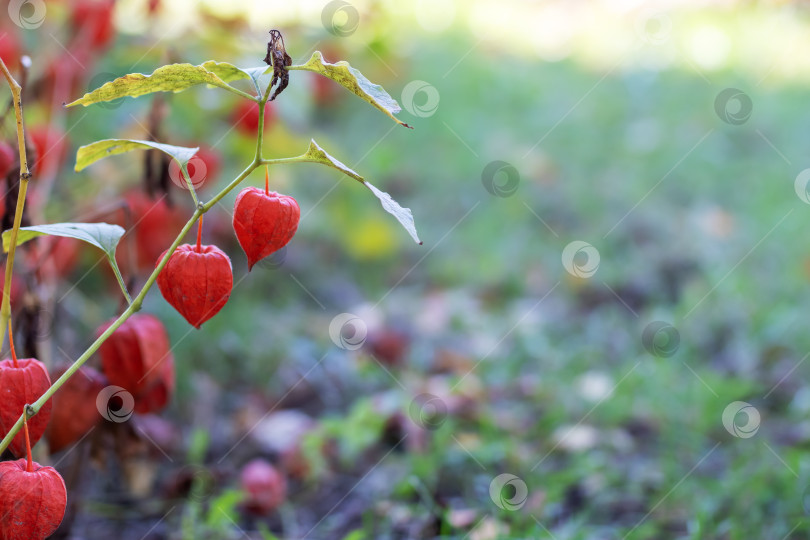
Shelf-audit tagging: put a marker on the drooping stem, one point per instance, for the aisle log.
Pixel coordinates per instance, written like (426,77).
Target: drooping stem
(267,180)
(25,174)
(30,465)
(120,279)
(11,345)
(189,184)
(199,235)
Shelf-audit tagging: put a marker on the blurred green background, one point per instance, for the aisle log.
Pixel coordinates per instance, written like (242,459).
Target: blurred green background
(614,127)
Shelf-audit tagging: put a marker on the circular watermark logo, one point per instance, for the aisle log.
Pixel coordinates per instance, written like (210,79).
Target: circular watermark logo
(428,411)
(653,26)
(115,404)
(500,178)
(741,419)
(733,106)
(420,98)
(800,185)
(661,339)
(27,14)
(348,331)
(273,261)
(508,492)
(580,259)
(340,18)
(197,172)
(201,483)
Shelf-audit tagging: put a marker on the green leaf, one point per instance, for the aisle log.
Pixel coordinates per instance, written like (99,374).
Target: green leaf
(317,154)
(348,77)
(90,153)
(171,78)
(225,71)
(225,506)
(403,215)
(256,73)
(102,235)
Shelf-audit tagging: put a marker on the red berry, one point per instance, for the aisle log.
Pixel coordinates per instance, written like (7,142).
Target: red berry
(246,117)
(10,49)
(264,222)
(74,411)
(196,281)
(325,92)
(154,225)
(50,146)
(137,357)
(32,501)
(8,158)
(54,256)
(17,288)
(265,488)
(22,382)
(389,346)
(93,22)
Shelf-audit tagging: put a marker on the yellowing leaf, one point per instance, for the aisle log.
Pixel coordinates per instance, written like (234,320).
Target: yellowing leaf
(171,78)
(317,154)
(351,79)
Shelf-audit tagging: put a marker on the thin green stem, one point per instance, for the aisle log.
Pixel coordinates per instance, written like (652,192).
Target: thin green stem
(244,174)
(189,185)
(25,174)
(260,134)
(120,279)
(239,92)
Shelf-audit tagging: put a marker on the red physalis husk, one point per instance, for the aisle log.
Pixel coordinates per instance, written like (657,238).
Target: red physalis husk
(22,382)
(153,223)
(33,498)
(197,281)
(264,486)
(137,357)
(32,504)
(264,222)
(74,411)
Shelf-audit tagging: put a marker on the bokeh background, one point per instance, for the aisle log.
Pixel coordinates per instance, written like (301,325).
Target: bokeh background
(603,336)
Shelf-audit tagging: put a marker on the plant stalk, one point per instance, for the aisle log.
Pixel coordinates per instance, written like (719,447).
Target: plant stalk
(25,174)
(136,303)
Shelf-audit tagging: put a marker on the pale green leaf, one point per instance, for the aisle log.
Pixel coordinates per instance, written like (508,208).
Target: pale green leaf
(403,215)
(171,78)
(90,153)
(348,77)
(256,74)
(102,235)
(225,71)
(318,155)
